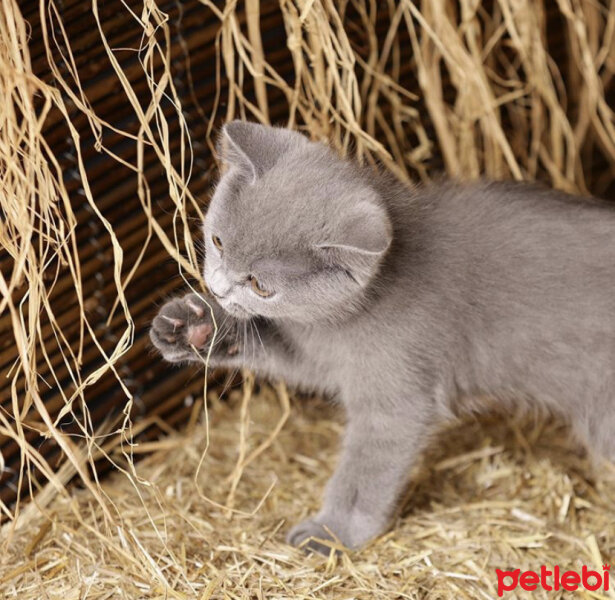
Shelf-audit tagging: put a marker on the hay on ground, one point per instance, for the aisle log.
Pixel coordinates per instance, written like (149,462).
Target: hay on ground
(496,493)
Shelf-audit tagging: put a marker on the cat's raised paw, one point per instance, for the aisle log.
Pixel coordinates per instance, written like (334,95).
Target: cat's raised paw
(183,328)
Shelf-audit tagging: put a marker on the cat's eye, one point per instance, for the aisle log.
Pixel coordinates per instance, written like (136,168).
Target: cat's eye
(256,287)
(217,242)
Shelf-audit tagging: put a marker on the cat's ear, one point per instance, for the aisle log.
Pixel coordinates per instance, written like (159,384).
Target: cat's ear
(254,149)
(361,239)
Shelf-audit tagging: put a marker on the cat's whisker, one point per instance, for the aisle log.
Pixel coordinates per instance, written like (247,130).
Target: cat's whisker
(250,336)
(253,341)
(229,380)
(260,339)
(245,339)
(221,334)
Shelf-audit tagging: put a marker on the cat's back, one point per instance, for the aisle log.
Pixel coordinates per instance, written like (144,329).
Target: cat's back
(483,259)
(486,234)
(520,211)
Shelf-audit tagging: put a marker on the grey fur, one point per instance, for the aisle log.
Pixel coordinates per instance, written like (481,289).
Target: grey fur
(401,302)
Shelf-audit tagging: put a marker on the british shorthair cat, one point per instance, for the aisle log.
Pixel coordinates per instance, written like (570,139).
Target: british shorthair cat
(402,302)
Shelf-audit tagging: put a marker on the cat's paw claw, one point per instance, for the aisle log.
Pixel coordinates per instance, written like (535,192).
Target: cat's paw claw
(199,311)
(177,323)
(310,536)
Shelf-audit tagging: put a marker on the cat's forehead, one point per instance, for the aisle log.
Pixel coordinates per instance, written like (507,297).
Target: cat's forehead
(288,206)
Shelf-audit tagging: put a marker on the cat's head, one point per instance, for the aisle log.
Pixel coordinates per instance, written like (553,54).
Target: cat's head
(292,232)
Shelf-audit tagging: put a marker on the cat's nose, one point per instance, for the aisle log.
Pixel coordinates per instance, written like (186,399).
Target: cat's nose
(218,284)
(216,294)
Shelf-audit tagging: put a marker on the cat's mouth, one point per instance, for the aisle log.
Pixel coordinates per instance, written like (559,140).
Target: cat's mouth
(236,310)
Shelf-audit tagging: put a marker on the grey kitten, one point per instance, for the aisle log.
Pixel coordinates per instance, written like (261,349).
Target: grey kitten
(404,303)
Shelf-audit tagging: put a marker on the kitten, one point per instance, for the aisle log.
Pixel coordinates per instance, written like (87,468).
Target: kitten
(401,302)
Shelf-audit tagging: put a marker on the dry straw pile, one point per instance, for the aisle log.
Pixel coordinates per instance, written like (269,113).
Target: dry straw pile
(107,112)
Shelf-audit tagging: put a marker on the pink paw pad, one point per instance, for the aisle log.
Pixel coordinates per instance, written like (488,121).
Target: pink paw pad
(199,334)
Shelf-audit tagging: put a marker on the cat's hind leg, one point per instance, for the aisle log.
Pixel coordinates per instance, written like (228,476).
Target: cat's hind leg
(593,424)
(601,435)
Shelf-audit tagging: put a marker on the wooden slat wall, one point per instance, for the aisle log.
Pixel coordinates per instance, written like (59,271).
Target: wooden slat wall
(158,389)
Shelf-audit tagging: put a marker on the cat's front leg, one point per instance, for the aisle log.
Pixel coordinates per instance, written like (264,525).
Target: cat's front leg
(187,329)
(360,499)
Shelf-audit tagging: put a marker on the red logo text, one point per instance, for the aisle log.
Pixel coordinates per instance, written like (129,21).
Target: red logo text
(553,580)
